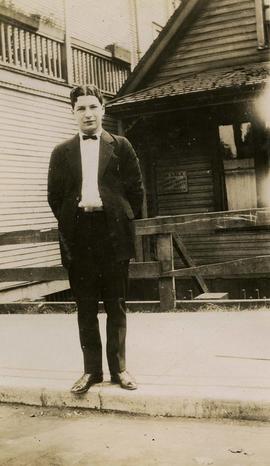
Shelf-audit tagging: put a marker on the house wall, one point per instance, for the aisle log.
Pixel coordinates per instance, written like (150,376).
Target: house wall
(187,143)
(101,23)
(30,125)
(35,115)
(50,10)
(222,34)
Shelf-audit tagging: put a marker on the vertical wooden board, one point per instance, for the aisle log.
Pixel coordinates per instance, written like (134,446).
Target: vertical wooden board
(166,284)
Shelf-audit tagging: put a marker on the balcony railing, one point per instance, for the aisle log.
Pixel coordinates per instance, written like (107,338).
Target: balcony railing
(89,67)
(34,53)
(30,51)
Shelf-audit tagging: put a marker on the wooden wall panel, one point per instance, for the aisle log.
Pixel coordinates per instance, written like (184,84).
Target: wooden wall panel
(223,34)
(199,197)
(220,247)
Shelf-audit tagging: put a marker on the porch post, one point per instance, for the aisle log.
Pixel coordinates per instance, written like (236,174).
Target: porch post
(166,284)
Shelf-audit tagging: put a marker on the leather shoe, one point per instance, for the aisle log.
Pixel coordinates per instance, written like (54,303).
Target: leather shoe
(85,382)
(125,380)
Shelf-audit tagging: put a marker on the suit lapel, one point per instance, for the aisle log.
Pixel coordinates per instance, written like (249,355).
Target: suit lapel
(74,160)
(105,152)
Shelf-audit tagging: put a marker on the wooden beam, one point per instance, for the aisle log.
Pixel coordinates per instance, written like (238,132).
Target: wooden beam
(46,307)
(29,236)
(166,284)
(144,270)
(260,24)
(29,274)
(248,267)
(188,261)
(37,307)
(261,213)
(194,223)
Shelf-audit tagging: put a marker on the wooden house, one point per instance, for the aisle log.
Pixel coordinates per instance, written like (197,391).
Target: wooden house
(197,109)
(46,47)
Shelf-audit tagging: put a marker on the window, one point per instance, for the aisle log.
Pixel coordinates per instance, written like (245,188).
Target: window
(245,154)
(238,154)
(236,140)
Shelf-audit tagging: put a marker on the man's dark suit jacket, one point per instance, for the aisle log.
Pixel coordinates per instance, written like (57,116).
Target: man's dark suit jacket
(120,188)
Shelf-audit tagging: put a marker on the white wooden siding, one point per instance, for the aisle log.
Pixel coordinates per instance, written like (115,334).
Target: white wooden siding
(30,126)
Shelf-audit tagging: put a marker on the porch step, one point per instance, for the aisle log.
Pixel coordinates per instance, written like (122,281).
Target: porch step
(212,296)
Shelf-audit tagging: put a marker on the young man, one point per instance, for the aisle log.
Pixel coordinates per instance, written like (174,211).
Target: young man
(95,191)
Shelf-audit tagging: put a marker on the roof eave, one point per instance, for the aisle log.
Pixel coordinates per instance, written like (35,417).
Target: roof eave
(156,49)
(185,101)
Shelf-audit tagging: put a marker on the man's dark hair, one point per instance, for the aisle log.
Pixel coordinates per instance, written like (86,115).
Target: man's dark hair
(86,89)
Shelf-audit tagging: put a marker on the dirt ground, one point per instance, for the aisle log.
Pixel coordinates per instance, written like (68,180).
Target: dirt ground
(32,436)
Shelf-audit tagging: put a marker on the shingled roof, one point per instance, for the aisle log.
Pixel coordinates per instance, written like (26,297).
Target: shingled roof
(240,77)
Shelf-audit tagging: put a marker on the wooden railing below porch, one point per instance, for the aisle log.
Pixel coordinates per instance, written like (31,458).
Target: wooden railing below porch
(167,232)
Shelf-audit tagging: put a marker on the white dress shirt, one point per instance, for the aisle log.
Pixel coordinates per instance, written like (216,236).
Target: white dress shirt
(90,158)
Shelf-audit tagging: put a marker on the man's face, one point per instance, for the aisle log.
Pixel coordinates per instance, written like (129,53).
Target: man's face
(88,113)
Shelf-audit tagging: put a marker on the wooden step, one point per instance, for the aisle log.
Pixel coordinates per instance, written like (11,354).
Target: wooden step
(214,296)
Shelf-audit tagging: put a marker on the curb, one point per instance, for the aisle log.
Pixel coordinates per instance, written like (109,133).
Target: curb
(150,401)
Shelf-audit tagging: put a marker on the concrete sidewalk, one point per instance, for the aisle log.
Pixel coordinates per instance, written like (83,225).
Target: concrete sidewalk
(204,364)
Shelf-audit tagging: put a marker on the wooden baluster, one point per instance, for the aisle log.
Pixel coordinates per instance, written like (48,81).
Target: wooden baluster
(33,48)
(107,74)
(21,46)
(88,73)
(166,284)
(113,79)
(75,65)
(59,60)
(84,68)
(99,85)
(48,43)
(117,79)
(101,67)
(43,55)
(27,50)
(104,80)
(95,70)
(92,74)
(3,40)
(54,52)
(38,53)
(9,45)
(15,45)
(79,64)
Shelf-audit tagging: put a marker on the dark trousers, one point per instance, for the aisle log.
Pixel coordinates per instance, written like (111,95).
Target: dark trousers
(96,274)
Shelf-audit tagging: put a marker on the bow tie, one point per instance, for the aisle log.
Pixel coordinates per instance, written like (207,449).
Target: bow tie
(86,136)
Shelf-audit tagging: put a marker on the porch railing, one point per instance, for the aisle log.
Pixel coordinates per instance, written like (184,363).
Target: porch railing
(162,269)
(108,75)
(30,51)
